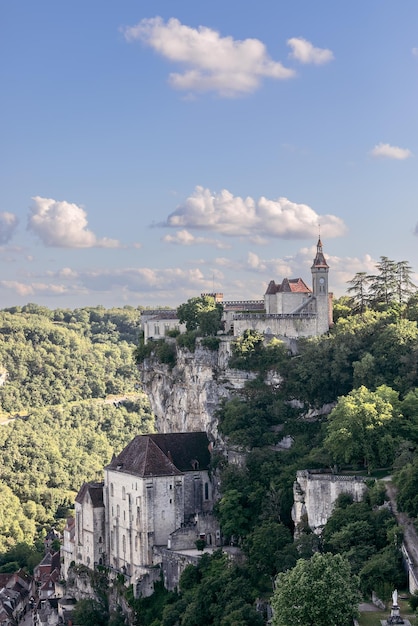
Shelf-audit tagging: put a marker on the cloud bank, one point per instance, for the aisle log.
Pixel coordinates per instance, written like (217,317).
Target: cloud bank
(8,225)
(214,63)
(234,216)
(304,52)
(63,225)
(387,151)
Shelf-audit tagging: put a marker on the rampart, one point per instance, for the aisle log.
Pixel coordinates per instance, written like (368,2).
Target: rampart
(314,496)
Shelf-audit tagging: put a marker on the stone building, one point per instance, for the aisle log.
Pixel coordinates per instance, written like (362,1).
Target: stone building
(157,493)
(90,525)
(289,309)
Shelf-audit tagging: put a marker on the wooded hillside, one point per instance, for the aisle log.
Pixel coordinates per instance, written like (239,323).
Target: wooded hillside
(69,399)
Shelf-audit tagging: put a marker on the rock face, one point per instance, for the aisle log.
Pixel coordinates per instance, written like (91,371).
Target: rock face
(314,496)
(186,397)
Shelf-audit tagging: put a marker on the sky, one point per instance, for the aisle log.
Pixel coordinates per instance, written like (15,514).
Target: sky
(152,150)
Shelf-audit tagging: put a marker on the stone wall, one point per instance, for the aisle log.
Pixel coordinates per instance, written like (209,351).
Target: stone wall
(314,496)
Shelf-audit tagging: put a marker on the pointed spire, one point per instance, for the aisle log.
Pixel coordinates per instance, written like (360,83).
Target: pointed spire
(319,260)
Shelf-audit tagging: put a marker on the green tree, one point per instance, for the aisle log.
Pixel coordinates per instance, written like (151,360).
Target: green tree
(88,612)
(320,591)
(201,313)
(362,428)
(359,292)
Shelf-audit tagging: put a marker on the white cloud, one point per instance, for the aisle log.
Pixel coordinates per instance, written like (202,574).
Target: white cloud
(387,151)
(223,65)
(304,52)
(8,225)
(185,238)
(31,289)
(231,215)
(63,225)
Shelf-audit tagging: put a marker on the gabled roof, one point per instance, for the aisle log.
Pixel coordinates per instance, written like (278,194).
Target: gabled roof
(288,285)
(95,491)
(168,454)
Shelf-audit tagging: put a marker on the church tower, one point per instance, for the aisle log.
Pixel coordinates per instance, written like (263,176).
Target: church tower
(322,296)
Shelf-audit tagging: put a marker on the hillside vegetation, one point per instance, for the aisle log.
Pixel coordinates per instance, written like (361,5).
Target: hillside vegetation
(69,399)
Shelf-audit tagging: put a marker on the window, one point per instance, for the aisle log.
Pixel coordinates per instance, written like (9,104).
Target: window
(124,543)
(117,510)
(156,329)
(123,493)
(206,491)
(111,489)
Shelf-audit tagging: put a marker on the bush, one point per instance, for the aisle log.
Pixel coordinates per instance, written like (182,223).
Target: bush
(211,343)
(187,340)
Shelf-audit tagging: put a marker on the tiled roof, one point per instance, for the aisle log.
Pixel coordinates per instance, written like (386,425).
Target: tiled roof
(288,285)
(168,454)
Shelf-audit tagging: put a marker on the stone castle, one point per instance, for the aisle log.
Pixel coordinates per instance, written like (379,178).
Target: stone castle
(289,309)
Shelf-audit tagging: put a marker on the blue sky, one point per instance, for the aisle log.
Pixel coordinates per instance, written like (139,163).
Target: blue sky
(155,150)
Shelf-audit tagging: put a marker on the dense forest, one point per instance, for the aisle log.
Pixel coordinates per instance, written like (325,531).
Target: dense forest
(69,399)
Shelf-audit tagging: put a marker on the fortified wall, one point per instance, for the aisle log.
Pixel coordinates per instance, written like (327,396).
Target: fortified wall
(314,496)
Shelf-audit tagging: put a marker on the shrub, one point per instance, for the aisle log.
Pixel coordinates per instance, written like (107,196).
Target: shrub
(211,343)
(187,340)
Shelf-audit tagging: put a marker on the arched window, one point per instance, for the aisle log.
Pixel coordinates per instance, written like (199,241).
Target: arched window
(111,489)
(123,493)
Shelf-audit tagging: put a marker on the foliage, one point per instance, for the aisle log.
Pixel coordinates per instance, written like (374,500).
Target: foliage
(89,611)
(71,384)
(372,349)
(406,480)
(366,536)
(161,349)
(211,343)
(201,313)
(392,285)
(188,340)
(249,352)
(320,591)
(215,592)
(362,428)
(50,362)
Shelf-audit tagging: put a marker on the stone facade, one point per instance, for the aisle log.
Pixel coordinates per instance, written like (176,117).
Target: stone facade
(89,542)
(314,496)
(157,493)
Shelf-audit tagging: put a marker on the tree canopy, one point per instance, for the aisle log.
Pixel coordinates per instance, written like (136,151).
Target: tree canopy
(320,591)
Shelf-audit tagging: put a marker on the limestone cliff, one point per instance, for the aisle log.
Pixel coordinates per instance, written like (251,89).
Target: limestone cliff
(186,397)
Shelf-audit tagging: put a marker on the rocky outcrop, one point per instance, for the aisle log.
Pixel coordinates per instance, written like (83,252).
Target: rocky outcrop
(186,397)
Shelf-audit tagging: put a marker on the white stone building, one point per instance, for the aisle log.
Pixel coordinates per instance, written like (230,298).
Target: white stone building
(290,309)
(89,539)
(156,485)
(157,493)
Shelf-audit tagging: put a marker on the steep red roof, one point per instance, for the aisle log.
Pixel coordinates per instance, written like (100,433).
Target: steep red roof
(288,285)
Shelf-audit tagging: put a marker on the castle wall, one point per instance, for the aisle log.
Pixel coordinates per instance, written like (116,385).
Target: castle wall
(315,495)
(294,327)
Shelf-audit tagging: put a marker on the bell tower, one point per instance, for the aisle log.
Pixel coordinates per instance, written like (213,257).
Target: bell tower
(320,271)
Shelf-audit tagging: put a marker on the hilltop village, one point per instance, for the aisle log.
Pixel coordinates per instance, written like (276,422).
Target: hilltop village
(232,468)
